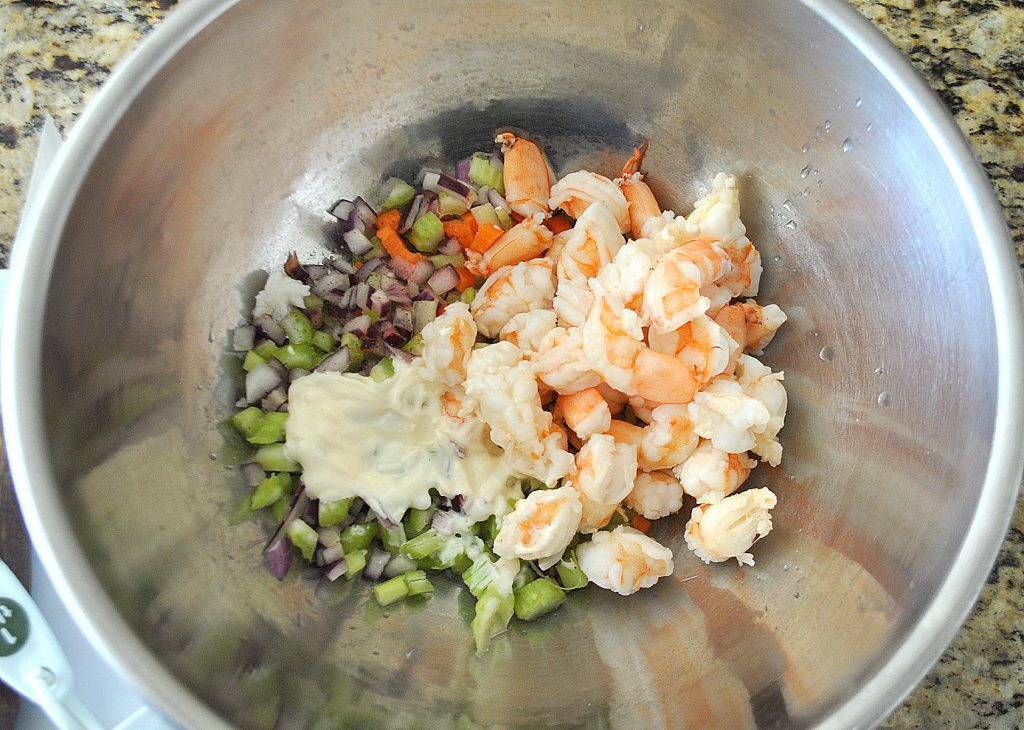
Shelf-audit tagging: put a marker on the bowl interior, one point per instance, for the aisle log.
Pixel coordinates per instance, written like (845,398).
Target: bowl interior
(227,160)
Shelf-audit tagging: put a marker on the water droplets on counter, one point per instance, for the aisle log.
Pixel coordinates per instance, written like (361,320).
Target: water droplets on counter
(827,353)
(790,224)
(828,126)
(858,102)
(880,370)
(806,148)
(869,127)
(847,144)
(884,399)
(806,170)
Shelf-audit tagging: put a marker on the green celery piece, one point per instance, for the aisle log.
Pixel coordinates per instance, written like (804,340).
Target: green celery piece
(323,341)
(272,458)
(417,520)
(392,538)
(270,490)
(382,370)
(247,422)
(490,530)
(493,612)
(355,561)
(374,280)
(570,575)
(482,172)
(303,537)
(279,510)
(426,233)
(479,576)
(469,295)
(423,545)
(251,361)
(265,349)
(376,252)
(397,192)
(415,345)
(270,430)
(358,536)
(504,219)
(333,513)
(391,591)
(617,518)
(311,302)
(460,564)
(524,576)
(302,355)
(355,351)
(440,260)
(485,214)
(297,326)
(537,598)
(417,583)
(448,204)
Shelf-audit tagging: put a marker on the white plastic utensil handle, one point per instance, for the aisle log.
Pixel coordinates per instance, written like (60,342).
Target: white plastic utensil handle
(31,660)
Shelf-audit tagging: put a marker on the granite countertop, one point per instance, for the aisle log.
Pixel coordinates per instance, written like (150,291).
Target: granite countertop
(54,54)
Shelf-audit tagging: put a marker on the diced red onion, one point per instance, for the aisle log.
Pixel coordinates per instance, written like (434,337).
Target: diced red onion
(495,199)
(359,326)
(361,298)
(419,203)
(397,293)
(376,563)
(413,289)
(336,570)
(341,264)
(333,555)
(462,169)
(278,559)
(343,300)
(252,474)
(369,266)
(327,536)
(456,187)
(333,281)
(497,160)
(450,247)
(275,399)
(423,313)
(402,317)
(366,214)
(357,242)
(270,328)
(397,565)
(443,280)
(243,338)
(316,317)
(342,209)
(418,272)
(261,380)
(337,362)
(296,373)
(380,302)
(430,180)
(390,334)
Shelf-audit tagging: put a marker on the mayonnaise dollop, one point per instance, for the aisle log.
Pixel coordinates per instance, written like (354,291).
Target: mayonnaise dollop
(387,443)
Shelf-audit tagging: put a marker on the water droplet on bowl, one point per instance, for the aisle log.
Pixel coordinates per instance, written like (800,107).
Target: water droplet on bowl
(213,457)
(858,102)
(884,399)
(817,132)
(847,144)
(806,170)
(828,126)
(790,224)
(806,192)
(869,127)
(806,148)
(827,353)
(787,204)
(776,259)
(879,370)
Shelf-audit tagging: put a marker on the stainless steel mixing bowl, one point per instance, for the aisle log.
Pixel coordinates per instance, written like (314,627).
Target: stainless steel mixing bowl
(215,150)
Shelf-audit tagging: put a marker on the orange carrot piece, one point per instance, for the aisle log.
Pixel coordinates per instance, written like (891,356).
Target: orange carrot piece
(466,278)
(393,244)
(470,221)
(639,522)
(558,223)
(390,219)
(485,237)
(460,231)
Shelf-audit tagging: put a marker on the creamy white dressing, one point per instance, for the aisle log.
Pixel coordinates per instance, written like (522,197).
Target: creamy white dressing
(388,443)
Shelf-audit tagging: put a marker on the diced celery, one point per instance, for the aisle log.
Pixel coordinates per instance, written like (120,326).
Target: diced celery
(323,341)
(504,219)
(303,356)
(441,260)
(569,574)
(414,346)
(270,490)
(251,361)
(265,349)
(426,233)
(303,537)
(392,538)
(270,429)
(417,520)
(524,576)
(482,172)
(493,612)
(391,591)
(485,214)
(297,326)
(460,564)
(448,204)
(537,598)
(382,370)
(312,301)
(396,193)
(617,518)
(358,536)
(279,509)
(355,351)
(479,576)
(247,422)
(490,530)
(469,295)
(376,252)
(355,562)
(333,513)
(423,545)
(272,458)
(417,583)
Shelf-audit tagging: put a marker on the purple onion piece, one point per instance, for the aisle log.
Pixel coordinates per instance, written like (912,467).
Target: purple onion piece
(450,247)
(462,169)
(252,474)
(261,380)
(379,302)
(243,338)
(342,209)
(443,280)
(398,353)
(266,324)
(341,301)
(402,317)
(422,272)
(275,399)
(359,326)
(495,199)
(361,298)
(426,296)
(390,335)
(366,214)
(456,187)
(357,242)
(279,558)
(341,264)
(336,569)
(316,271)
(316,317)
(375,564)
(337,362)
(333,281)
(369,266)
(413,289)
(397,293)
(417,207)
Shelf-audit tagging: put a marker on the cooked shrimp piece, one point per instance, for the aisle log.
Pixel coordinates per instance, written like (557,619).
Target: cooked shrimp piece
(513,290)
(526,329)
(526,176)
(624,560)
(717,217)
(673,294)
(594,241)
(560,362)
(762,324)
(616,401)
(458,416)
(613,344)
(626,275)
(702,344)
(595,516)
(586,412)
(727,529)
(733,319)
(668,439)
(728,416)
(625,432)
(710,475)
(645,215)
(526,240)
(540,526)
(577,191)
(745,278)
(501,381)
(558,242)
(655,494)
(642,408)
(447,342)
(605,469)
(758,381)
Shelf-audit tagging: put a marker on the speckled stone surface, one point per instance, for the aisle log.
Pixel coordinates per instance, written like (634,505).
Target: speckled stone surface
(55,53)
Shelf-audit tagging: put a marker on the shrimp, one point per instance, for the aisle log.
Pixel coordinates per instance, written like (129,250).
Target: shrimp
(625,432)
(508,401)
(733,319)
(577,191)
(558,242)
(710,475)
(525,240)
(613,344)
(728,416)
(458,417)
(605,469)
(645,215)
(616,401)
(540,526)
(762,324)
(642,408)
(655,494)
(526,329)
(717,217)
(702,344)
(626,275)
(513,290)
(624,560)
(526,176)
(595,516)
(668,439)
(560,363)
(586,412)
(727,529)
(673,294)
(594,242)
(758,381)
(447,342)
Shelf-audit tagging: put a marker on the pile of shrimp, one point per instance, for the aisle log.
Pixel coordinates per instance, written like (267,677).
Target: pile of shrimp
(613,362)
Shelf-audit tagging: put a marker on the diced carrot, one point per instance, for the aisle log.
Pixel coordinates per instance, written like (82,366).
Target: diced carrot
(470,220)
(466,278)
(357,264)
(389,219)
(394,245)
(558,223)
(639,522)
(459,230)
(485,237)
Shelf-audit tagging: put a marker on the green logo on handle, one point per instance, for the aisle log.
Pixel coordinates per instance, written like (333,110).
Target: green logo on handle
(13,627)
